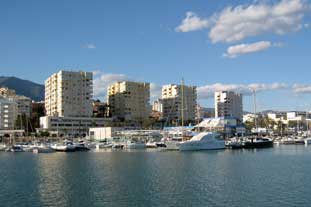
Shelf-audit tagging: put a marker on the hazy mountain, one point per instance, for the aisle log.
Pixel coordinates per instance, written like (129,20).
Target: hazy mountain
(24,87)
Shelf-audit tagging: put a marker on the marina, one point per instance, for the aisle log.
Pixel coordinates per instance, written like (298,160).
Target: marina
(157,178)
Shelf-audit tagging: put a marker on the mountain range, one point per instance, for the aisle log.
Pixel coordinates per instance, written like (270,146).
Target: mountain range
(26,88)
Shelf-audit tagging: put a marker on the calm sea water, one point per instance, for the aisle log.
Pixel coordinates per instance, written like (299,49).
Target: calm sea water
(279,176)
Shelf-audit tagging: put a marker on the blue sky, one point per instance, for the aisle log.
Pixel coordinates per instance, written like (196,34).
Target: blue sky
(163,41)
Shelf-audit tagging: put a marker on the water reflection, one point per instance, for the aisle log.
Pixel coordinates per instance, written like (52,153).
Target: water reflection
(266,177)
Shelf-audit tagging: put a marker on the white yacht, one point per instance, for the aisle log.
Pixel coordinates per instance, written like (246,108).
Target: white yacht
(65,147)
(3,147)
(103,145)
(151,144)
(135,145)
(307,141)
(42,149)
(81,146)
(203,141)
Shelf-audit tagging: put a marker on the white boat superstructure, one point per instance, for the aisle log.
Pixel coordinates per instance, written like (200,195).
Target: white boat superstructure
(203,141)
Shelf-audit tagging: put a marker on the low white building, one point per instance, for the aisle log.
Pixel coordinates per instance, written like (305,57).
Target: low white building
(71,126)
(103,133)
(296,116)
(8,114)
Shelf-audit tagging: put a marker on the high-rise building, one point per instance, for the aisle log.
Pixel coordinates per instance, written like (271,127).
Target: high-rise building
(8,114)
(129,100)
(24,105)
(179,101)
(23,102)
(69,94)
(228,104)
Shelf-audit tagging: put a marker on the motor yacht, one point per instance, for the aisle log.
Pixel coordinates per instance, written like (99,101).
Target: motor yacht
(43,149)
(67,146)
(151,145)
(81,146)
(203,141)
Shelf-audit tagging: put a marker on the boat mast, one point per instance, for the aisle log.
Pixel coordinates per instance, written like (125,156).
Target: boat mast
(255,109)
(307,121)
(182,102)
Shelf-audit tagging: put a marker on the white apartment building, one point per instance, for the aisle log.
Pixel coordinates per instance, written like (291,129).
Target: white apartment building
(24,105)
(23,102)
(69,94)
(296,115)
(178,101)
(129,100)
(228,104)
(8,114)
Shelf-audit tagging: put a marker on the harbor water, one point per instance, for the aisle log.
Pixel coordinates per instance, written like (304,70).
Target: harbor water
(279,176)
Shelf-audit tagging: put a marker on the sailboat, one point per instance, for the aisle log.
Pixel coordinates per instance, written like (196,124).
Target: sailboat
(257,142)
(175,136)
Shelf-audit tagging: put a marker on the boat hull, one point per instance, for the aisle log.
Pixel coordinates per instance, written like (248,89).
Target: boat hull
(172,145)
(201,145)
(136,146)
(251,145)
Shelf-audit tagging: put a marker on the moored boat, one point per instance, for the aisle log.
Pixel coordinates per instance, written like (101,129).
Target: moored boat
(64,147)
(16,148)
(151,145)
(135,145)
(81,146)
(3,147)
(203,141)
(258,143)
(43,149)
(307,141)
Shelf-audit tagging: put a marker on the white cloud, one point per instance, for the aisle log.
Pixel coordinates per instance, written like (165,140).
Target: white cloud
(237,23)
(155,91)
(103,80)
(302,88)
(192,23)
(90,46)
(242,49)
(207,91)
